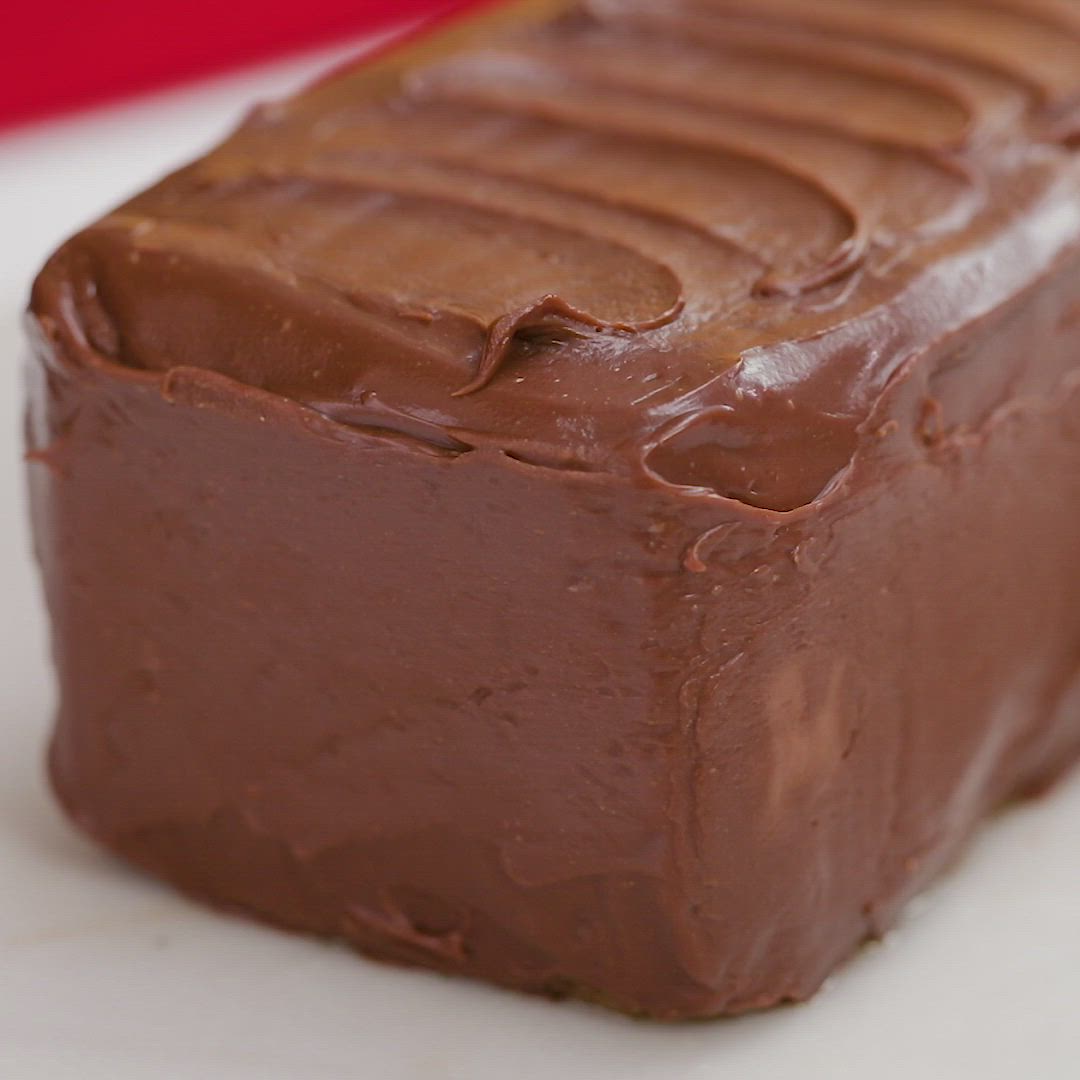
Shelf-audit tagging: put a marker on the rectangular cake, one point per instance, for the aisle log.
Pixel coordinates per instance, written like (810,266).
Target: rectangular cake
(589,500)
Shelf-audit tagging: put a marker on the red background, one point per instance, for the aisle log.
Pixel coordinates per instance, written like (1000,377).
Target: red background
(63,54)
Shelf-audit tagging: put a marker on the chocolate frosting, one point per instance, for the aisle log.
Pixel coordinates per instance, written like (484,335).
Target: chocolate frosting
(588,500)
(625,237)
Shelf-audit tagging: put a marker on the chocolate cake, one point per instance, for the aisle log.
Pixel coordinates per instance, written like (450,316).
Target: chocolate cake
(588,500)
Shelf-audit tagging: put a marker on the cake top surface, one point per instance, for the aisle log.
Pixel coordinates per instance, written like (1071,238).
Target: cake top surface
(621,235)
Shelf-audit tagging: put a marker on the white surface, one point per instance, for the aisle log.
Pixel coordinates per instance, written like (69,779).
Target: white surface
(105,975)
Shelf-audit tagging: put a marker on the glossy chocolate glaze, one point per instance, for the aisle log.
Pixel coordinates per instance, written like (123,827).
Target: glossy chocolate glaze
(588,500)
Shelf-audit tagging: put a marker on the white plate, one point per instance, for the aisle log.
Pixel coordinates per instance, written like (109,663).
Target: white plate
(105,975)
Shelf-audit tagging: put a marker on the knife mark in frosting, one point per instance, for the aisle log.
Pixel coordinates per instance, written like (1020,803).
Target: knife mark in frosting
(1031,51)
(828,235)
(549,312)
(554,96)
(898,100)
(560,279)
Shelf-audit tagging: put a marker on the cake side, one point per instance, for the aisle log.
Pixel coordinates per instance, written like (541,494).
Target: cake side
(864,681)
(358,687)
